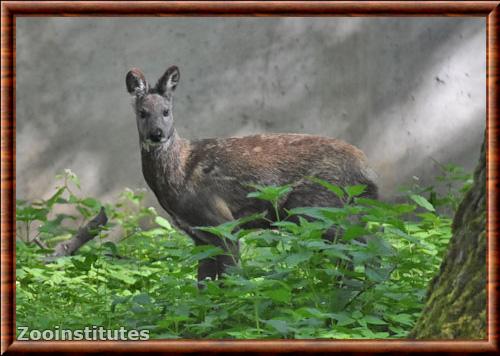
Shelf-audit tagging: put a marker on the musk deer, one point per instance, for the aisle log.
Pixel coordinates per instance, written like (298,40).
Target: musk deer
(205,182)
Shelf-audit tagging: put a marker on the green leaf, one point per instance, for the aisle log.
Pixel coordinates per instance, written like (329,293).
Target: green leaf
(264,238)
(142,299)
(424,203)
(222,231)
(253,217)
(287,226)
(399,332)
(269,193)
(340,297)
(337,254)
(357,314)
(367,333)
(86,264)
(355,190)
(400,233)
(402,318)
(152,233)
(111,246)
(91,203)
(53,227)
(332,188)
(327,215)
(380,246)
(296,258)
(123,276)
(316,244)
(30,213)
(54,198)
(280,326)
(374,275)
(404,208)
(118,300)
(373,203)
(205,252)
(361,257)
(307,312)
(278,294)
(226,230)
(354,231)
(163,222)
(342,319)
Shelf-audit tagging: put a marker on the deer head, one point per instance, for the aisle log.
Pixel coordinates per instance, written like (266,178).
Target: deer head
(153,106)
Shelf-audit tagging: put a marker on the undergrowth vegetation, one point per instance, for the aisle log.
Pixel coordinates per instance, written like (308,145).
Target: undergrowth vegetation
(140,273)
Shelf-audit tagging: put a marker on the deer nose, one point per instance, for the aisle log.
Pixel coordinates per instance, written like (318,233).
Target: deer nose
(156,135)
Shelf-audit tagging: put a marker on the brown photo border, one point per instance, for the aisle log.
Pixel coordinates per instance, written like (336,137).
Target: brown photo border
(12,9)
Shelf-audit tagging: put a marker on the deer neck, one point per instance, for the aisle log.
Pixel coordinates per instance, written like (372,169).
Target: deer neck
(163,165)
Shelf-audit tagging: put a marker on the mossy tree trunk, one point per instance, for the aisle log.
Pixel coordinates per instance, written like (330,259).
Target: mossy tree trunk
(456,300)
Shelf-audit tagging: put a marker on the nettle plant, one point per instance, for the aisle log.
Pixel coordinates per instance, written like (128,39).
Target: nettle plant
(369,281)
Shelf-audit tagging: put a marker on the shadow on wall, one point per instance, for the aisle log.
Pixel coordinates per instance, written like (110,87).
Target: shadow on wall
(403,90)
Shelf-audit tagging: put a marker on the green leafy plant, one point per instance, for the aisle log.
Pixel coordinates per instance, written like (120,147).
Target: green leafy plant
(448,190)
(369,281)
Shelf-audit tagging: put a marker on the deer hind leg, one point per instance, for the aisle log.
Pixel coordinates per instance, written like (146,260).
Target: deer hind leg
(207,268)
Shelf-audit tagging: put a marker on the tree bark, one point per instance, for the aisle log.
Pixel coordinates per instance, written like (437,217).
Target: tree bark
(456,300)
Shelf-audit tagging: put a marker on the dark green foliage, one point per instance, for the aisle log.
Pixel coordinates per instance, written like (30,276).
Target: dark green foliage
(369,282)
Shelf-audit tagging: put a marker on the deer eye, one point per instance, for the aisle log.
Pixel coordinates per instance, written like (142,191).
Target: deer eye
(165,113)
(143,114)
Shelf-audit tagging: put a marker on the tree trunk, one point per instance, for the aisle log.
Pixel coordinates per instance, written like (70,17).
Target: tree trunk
(456,300)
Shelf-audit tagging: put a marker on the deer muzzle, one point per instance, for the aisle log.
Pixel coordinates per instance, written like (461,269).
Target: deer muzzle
(157,136)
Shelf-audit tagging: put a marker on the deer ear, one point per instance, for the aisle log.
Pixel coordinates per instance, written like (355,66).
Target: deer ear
(136,83)
(168,82)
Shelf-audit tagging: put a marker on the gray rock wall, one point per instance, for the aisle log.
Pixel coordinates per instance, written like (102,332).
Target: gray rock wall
(405,90)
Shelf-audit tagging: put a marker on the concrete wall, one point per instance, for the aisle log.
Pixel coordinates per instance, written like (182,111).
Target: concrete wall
(405,90)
